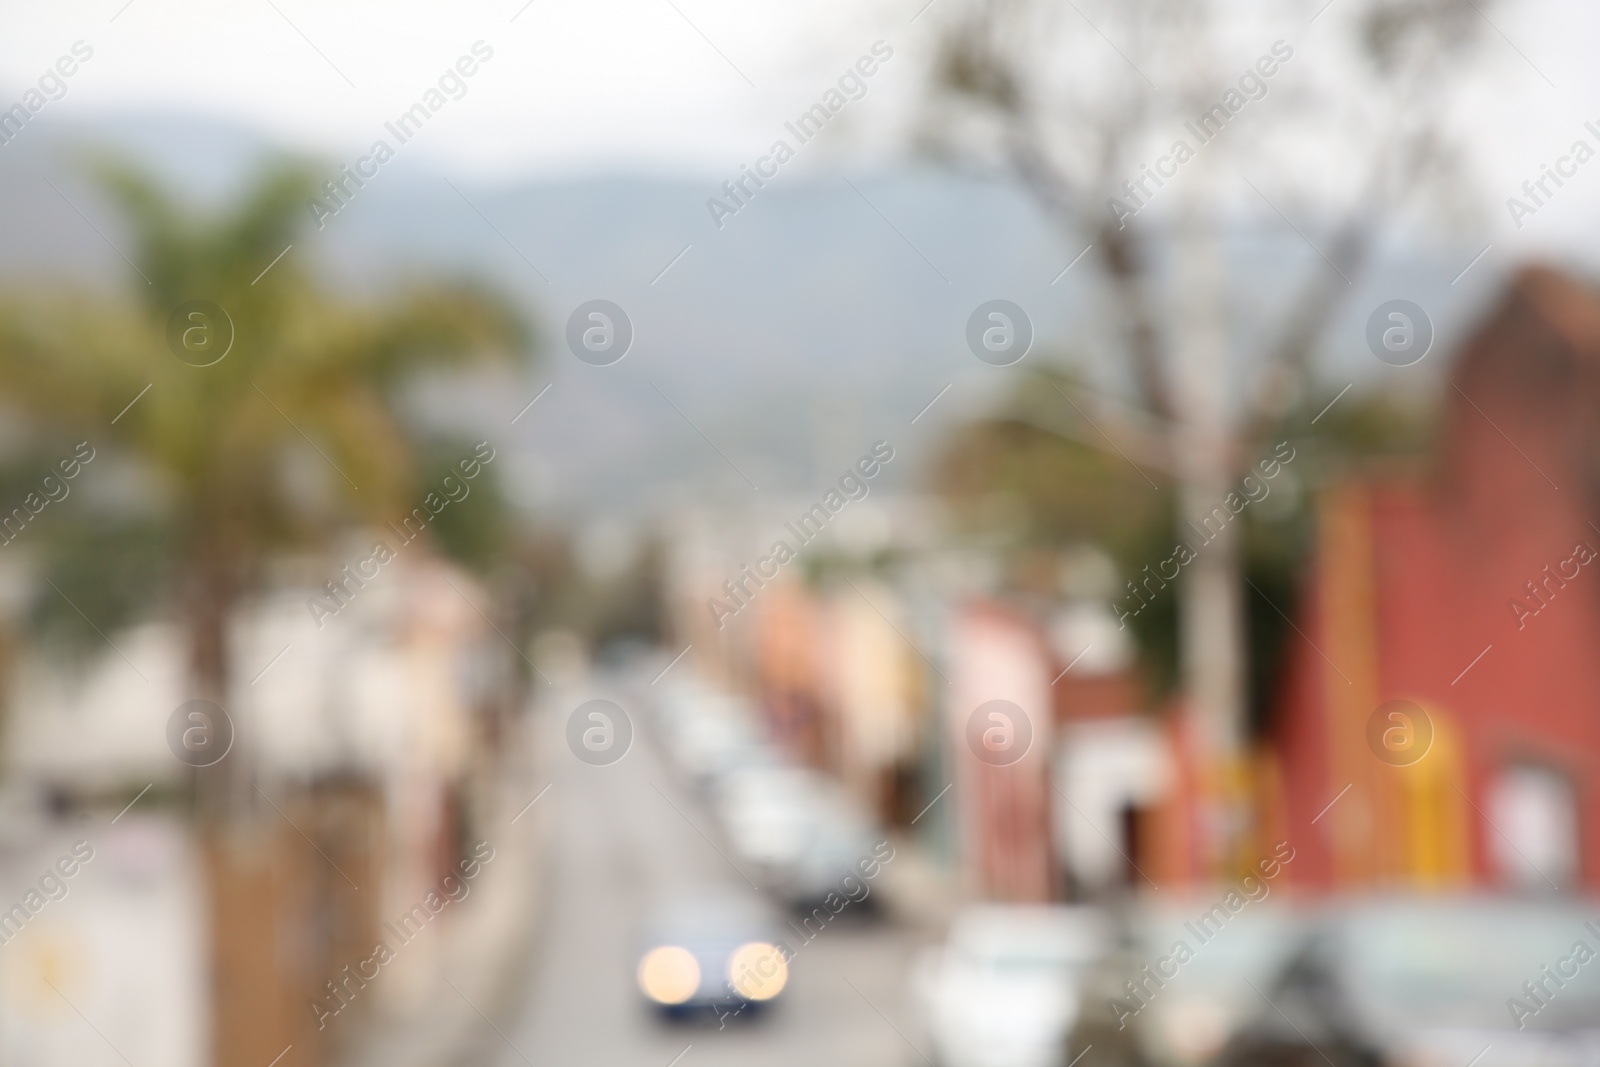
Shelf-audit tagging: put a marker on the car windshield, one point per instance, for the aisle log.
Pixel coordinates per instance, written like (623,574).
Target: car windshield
(1021,961)
(1029,940)
(1460,964)
(1257,940)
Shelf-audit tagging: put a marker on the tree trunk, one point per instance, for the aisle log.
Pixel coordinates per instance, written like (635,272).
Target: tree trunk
(211,595)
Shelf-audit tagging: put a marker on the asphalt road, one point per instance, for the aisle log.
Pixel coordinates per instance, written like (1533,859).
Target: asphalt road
(619,836)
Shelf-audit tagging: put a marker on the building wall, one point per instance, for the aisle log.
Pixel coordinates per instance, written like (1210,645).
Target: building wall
(1465,594)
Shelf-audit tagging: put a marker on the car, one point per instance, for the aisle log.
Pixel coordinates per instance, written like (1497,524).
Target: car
(842,837)
(1188,1021)
(711,954)
(1434,981)
(706,733)
(798,833)
(767,811)
(1005,988)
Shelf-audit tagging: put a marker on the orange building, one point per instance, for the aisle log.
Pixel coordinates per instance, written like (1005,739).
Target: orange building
(1438,725)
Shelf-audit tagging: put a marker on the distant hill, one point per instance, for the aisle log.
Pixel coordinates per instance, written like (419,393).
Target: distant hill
(818,319)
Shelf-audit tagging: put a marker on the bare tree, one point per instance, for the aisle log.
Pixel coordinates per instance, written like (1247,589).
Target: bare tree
(1148,130)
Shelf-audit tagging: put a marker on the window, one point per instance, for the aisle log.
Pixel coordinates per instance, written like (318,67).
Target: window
(1533,841)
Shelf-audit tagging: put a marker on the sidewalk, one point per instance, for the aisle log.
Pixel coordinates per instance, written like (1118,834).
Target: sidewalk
(916,890)
(489,943)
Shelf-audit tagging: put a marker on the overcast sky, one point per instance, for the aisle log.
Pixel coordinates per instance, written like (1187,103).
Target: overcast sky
(573,85)
(676,86)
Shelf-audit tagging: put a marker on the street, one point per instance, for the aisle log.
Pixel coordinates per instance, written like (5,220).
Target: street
(620,835)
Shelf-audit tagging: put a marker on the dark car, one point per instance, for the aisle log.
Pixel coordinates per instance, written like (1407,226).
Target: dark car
(1440,981)
(711,954)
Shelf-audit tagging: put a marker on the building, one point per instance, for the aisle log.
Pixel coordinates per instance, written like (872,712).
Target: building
(361,735)
(1472,598)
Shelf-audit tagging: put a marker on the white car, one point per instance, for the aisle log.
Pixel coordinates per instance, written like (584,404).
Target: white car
(1006,988)
(706,733)
(1194,1015)
(767,811)
(795,829)
(1434,978)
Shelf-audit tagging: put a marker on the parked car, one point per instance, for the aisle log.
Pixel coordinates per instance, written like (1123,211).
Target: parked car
(842,836)
(1434,980)
(710,953)
(1005,989)
(768,811)
(1189,1020)
(706,733)
(797,832)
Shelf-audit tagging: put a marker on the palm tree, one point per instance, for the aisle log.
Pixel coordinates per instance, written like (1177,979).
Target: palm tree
(260,407)
(229,373)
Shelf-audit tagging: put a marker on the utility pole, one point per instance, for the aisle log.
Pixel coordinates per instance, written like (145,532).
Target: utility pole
(1211,634)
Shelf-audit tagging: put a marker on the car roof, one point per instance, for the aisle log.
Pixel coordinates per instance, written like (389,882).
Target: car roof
(1072,932)
(707,912)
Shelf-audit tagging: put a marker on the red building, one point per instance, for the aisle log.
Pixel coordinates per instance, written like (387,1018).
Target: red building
(1474,595)
(1000,736)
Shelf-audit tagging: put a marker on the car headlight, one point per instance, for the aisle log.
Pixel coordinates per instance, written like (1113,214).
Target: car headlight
(669,974)
(757,971)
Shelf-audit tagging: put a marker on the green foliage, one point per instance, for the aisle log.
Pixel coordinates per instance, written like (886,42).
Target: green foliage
(550,589)
(476,530)
(111,573)
(290,436)
(1025,477)
(1034,477)
(1027,480)
(1362,435)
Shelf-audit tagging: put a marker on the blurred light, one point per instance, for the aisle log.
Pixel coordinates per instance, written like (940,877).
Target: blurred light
(757,971)
(1195,1030)
(669,974)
